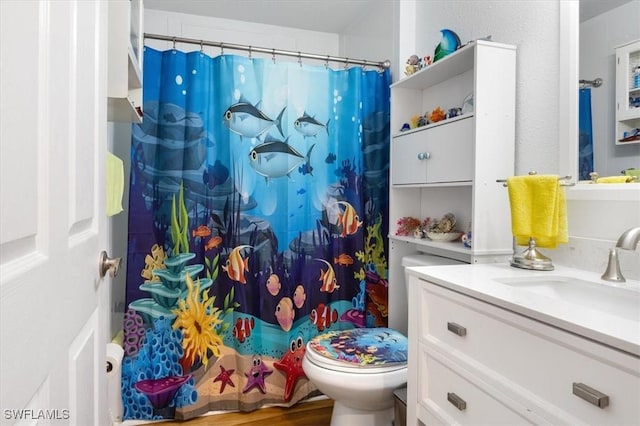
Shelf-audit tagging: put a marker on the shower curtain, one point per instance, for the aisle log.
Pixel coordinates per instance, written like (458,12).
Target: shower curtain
(585,148)
(257,220)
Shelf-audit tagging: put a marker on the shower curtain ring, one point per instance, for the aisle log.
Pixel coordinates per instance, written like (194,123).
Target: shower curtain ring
(326,63)
(201,46)
(273,55)
(299,58)
(174,43)
(221,49)
(250,52)
(346,63)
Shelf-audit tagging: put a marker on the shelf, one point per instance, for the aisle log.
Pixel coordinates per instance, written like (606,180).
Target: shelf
(451,65)
(627,115)
(431,185)
(432,125)
(451,249)
(124,110)
(124,90)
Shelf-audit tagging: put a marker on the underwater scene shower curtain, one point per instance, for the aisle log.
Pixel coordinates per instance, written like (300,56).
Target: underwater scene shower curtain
(257,220)
(585,139)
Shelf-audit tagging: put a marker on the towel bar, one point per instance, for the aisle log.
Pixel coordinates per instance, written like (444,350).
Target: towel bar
(561,178)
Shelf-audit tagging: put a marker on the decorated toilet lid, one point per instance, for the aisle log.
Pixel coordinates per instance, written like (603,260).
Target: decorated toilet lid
(361,347)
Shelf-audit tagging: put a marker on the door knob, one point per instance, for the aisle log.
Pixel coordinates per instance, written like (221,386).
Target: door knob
(106,264)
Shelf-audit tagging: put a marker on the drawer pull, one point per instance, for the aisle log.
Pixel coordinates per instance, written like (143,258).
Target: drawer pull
(590,395)
(456,329)
(457,402)
(424,156)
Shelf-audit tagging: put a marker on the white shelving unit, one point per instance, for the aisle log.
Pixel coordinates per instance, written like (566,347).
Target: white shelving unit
(453,165)
(125,60)
(627,89)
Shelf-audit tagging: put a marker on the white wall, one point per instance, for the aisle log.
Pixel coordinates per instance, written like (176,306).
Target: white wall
(370,37)
(598,38)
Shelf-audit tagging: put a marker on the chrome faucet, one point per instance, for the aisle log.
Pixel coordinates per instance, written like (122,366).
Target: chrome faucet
(628,241)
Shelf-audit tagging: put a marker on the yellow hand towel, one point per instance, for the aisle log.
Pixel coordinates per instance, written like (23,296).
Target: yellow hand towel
(615,179)
(115,184)
(538,210)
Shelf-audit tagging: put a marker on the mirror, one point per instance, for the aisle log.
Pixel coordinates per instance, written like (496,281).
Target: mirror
(603,25)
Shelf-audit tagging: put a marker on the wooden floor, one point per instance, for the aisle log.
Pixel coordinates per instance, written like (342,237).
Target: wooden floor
(315,413)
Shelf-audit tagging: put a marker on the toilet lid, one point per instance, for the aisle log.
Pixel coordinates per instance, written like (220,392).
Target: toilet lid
(379,348)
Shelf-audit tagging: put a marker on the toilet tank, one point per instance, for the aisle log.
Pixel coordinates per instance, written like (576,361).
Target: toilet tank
(421,259)
(399,300)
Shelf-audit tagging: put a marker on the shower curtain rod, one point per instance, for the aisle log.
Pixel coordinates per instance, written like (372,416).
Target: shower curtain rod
(383,65)
(595,83)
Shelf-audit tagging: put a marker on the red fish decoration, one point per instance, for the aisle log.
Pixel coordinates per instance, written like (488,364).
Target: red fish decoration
(201,231)
(343,259)
(242,329)
(323,316)
(213,243)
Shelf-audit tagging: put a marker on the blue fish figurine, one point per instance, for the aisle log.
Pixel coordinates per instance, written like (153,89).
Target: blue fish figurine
(449,43)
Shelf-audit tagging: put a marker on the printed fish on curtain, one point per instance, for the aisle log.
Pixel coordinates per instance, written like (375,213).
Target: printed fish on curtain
(257,220)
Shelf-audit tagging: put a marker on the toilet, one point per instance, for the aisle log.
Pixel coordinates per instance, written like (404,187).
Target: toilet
(360,368)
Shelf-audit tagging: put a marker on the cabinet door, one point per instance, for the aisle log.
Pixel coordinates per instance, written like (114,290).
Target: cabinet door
(450,149)
(627,93)
(408,157)
(438,154)
(627,85)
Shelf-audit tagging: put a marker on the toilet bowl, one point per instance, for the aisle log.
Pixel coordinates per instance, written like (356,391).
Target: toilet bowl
(359,369)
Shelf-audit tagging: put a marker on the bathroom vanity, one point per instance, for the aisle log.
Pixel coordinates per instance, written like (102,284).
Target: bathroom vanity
(492,344)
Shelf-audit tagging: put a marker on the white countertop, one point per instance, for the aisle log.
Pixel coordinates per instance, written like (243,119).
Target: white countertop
(479,281)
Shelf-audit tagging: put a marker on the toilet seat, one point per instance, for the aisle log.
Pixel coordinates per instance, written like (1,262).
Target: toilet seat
(359,350)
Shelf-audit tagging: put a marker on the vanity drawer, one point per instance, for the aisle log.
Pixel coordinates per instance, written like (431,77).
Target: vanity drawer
(449,397)
(532,356)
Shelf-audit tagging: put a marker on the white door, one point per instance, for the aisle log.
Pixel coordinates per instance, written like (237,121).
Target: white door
(52,212)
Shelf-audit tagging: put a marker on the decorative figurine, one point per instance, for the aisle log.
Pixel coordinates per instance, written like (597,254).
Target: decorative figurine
(466,239)
(449,43)
(454,112)
(414,64)
(436,115)
(407,225)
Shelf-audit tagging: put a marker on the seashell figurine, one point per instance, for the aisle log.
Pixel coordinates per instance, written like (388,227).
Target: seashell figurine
(445,224)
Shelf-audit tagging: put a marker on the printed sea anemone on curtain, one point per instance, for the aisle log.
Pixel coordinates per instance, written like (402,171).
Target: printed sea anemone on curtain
(257,220)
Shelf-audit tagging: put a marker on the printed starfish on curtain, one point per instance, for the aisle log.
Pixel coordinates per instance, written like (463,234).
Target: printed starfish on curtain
(225,378)
(256,375)
(291,365)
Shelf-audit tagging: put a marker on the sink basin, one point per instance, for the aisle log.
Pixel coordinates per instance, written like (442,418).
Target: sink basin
(618,301)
